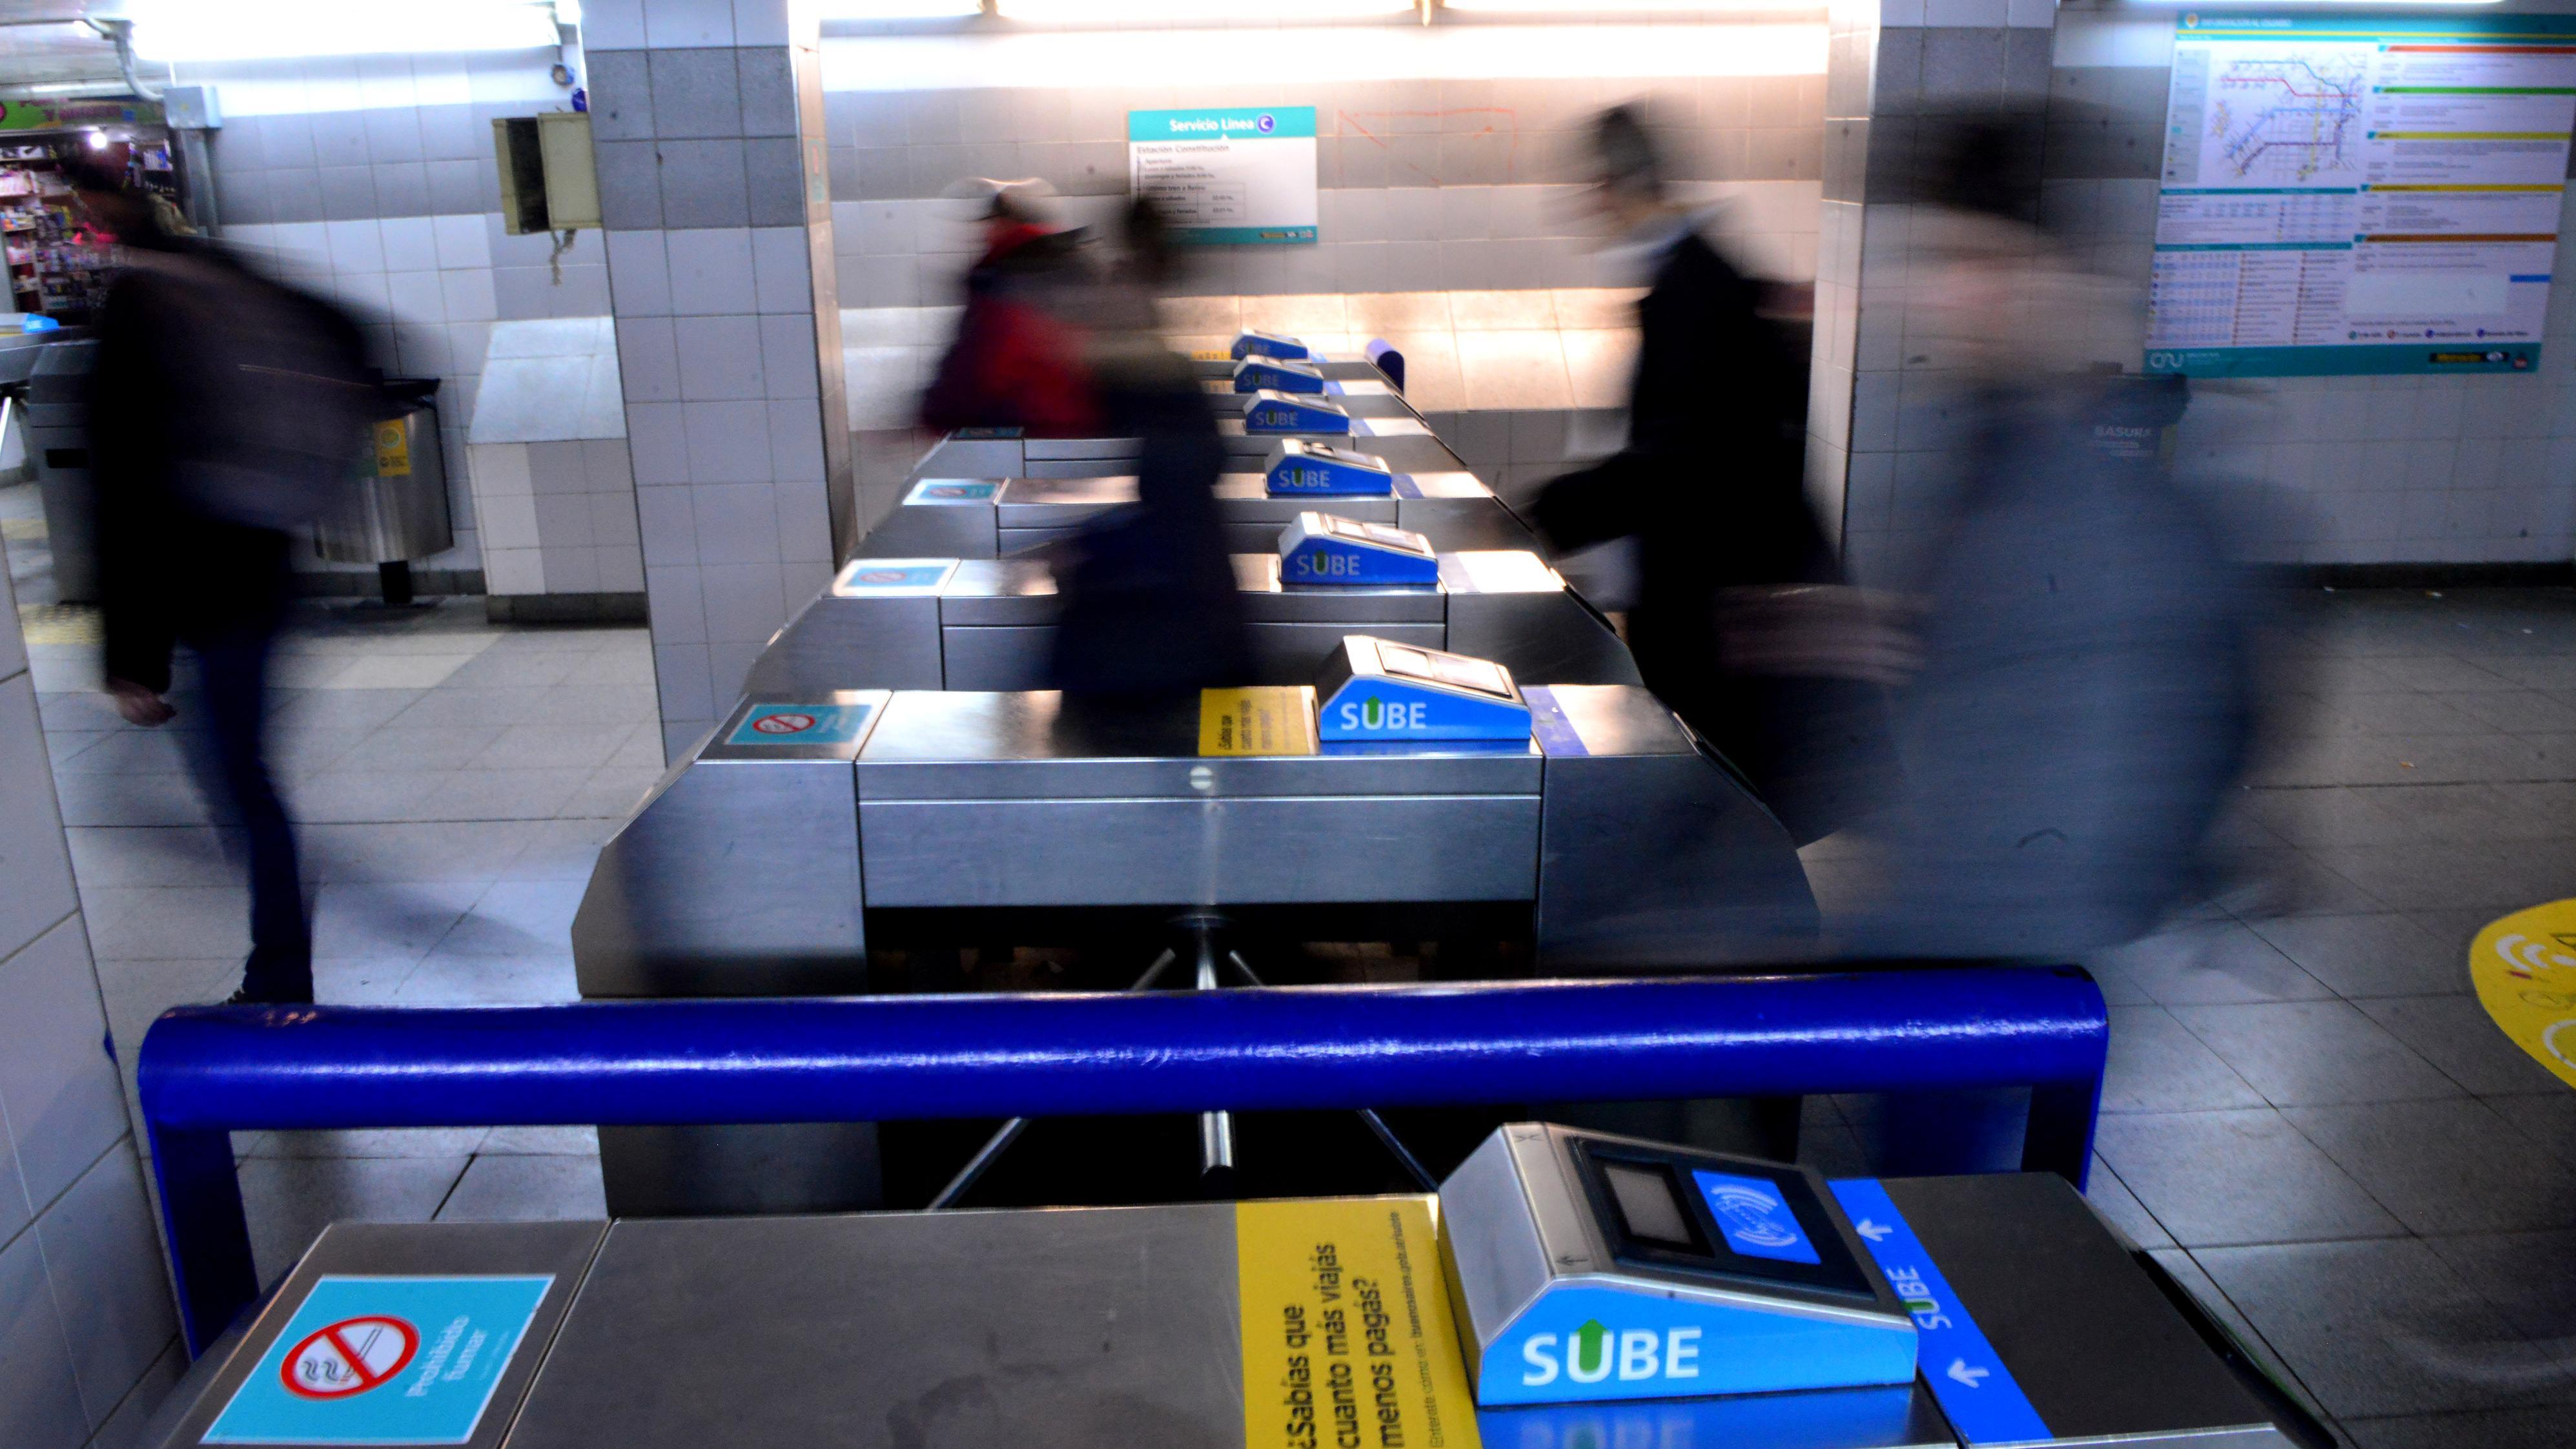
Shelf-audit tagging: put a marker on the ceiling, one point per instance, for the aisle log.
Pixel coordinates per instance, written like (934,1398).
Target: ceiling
(42,42)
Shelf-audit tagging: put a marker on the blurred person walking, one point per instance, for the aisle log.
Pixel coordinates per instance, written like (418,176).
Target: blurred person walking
(1151,609)
(226,411)
(1731,561)
(1016,361)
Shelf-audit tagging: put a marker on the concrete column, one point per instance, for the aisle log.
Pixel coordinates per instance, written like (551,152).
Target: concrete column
(1886,61)
(707,119)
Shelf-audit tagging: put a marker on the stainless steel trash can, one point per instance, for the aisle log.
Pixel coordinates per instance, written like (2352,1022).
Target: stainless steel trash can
(399,510)
(58,446)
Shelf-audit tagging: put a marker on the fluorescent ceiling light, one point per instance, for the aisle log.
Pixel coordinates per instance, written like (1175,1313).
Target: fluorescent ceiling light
(896,9)
(1640,7)
(204,30)
(1111,12)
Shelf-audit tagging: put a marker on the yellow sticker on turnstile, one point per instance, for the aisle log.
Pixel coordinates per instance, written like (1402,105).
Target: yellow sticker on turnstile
(1210,354)
(2524,967)
(1347,1336)
(1268,719)
(393,450)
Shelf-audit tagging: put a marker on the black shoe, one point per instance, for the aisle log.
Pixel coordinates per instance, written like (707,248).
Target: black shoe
(243,997)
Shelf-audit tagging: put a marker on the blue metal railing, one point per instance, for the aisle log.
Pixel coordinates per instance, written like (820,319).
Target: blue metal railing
(209,1071)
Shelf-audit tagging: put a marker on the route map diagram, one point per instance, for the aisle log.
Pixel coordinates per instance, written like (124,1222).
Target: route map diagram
(2343,193)
(2290,120)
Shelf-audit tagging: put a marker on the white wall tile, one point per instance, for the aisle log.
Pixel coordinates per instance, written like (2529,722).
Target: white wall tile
(355,246)
(711,271)
(719,358)
(469,295)
(57,1080)
(782,269)
(657,442)
(463,241)
(728,442)
(649,362)
(676,23)
(787,359)
(410,243)
(105,1262)
(40,1406)
(33,862)
(639,276)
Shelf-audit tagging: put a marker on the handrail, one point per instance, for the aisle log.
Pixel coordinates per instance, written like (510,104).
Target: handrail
(205,1072)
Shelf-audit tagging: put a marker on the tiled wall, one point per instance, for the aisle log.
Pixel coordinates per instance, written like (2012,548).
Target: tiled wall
(88,1341)
(373,182)
(1423,184)
(715,238)
(2340,470)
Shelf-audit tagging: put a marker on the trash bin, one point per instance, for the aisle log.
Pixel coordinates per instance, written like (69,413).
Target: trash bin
(399,512)
(58,446)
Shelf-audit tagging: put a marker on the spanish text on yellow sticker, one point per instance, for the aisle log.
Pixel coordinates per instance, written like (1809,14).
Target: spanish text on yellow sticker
(1347,1338)
(2524,967)
(393,450)
(1269,719)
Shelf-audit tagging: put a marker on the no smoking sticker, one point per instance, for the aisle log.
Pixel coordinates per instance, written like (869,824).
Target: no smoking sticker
(349,1357)
(799,724)
(384,1361)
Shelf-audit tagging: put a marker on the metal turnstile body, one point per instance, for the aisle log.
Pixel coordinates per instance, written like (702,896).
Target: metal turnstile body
(1405,442)
(998,517)
(989,624)
(756,866)
(1175,1326)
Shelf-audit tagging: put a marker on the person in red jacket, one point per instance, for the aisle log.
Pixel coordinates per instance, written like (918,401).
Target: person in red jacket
(1017,359)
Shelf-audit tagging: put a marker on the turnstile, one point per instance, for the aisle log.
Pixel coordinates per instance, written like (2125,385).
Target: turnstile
(1256,1325)
(990,624)
(997,517)
(809,826)
(1405,442)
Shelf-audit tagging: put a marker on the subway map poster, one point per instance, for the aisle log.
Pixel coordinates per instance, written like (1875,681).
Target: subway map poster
(2360,195)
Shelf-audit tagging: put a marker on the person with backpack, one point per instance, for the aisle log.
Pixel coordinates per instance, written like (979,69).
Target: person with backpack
(226,411)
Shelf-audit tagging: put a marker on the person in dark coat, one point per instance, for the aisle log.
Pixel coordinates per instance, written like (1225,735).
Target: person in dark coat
(1151,610)
(1709,485)
(225,412)
(1016,361)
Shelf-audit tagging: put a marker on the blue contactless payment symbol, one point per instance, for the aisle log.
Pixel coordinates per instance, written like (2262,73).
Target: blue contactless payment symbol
(1754,1220)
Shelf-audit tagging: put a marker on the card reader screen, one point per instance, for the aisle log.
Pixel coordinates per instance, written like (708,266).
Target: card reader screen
(1647,1204)
(1455,670)
(1752,1216)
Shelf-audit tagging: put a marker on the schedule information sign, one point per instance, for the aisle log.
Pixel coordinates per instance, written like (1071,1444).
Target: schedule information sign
(1235,174)
(2350,195)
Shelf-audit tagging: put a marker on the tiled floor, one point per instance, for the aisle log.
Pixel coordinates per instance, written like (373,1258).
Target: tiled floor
(452,780)
(2309,1120)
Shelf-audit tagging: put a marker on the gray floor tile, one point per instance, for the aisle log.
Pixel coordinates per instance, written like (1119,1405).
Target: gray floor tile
(440,1142)
(2112,1199)
(2515,711)
(443,850)
(2260,883)
(363,708)
(2442,672)
(360,796)
(2477,1429)
(2213,1178)
(360,980)
(515,669)
(132,800)
(290,1200)
(553,746)
(388,921)
(2547,1120)
(560,850)
(137,992)
(517,918)
(2380,954)
(500,794)
(2298,1053)
(2157,1065)
(2444,1167)
(143,855)
(543,1141)
(408,748)
(2213,962)
(175,923)
(2455,1034)
(527,1188)
(2383,1327)
(2195,1280)
(2433,876)
(611,793)
(462,707)
(2530,1278)
(469,980)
